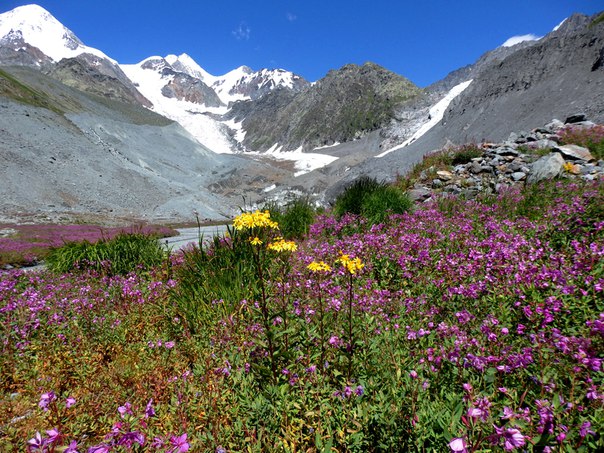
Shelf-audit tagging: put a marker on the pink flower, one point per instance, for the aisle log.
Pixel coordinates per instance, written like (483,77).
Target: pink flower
(458,445)
(180,443)
(46,399)
(125,409)
(512,437)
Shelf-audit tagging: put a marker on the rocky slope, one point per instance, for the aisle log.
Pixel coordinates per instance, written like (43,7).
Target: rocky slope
(340,107)
(70,154)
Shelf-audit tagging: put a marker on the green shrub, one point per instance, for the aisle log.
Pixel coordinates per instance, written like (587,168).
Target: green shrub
(374,200)
(382,202)
(295,218)
(118,256)
(214,280)
(350,201)
(465,154)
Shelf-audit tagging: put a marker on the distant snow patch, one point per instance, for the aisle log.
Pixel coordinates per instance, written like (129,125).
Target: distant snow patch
(520,38)
(303,162)
(437,111)
(559,25)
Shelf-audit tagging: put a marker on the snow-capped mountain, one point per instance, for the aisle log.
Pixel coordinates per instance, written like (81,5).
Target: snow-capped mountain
(35,26)
(31,36)
(182,90)
(174,86)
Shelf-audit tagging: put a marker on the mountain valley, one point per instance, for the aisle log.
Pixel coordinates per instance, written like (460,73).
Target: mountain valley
(82,136)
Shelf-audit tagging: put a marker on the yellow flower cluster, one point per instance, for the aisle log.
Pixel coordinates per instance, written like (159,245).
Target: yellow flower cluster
(249,220)
(281,245)
(352,265)
(256,241)
(319,267)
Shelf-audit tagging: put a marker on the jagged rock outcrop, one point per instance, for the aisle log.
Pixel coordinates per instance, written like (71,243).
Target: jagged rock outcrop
(98,76)
(521,159)
(342,106)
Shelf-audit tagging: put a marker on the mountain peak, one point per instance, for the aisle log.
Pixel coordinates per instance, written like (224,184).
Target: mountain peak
(185,63)
(40,29)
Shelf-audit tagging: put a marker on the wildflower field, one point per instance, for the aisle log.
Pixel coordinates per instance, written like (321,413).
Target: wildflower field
(464,326)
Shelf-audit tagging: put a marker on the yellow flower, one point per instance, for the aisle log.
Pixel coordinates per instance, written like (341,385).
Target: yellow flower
(281,245)
(352,265)
(249,220)
(319,267)
(571,168)
(256,241)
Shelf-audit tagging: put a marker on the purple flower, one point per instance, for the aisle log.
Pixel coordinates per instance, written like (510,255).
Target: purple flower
(69,402)
(475,413)
(413,374)
(53,435)
(359,391)
(584,431)
(334,341)
(36,443)
(46,399)
(458,445)
(179,443)
(72,447)
(125,409)
(149,411)
(169,344)
(101,448)
(512,437)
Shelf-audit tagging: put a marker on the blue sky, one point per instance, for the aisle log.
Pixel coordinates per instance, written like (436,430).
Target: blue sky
(422,40)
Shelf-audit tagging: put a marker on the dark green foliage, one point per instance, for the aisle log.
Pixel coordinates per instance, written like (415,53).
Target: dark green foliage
(351,200)
(214,279)
(382,202)
(118,256)
(465,154)
(372,199)
(294,218)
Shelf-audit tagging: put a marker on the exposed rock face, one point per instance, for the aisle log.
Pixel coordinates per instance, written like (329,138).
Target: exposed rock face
(340,107)
(98,76)
(15,51)
(507,164)
(254,85)
(534,83)
(187,88)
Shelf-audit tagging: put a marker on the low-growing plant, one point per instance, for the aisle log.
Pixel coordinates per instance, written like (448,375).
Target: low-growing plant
(589,137)
(464,154)
(373,200)
(117,256)
(383,202)
(463,326)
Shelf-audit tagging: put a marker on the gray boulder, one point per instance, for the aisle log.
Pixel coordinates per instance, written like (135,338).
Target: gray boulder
(574,152)
(547,167)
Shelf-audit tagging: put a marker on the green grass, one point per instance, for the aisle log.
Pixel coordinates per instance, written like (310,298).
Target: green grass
(294,218)
(13,89)
(118,256)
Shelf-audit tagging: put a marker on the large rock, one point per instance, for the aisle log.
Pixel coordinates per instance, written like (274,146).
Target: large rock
(547,167)
(574,152)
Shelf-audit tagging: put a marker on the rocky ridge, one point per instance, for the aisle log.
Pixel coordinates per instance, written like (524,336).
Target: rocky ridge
(524,158)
